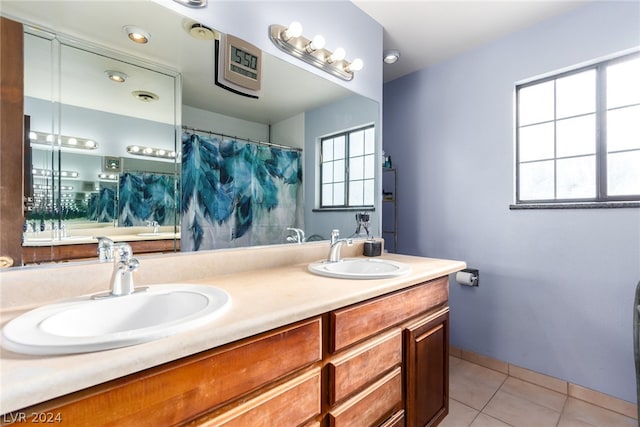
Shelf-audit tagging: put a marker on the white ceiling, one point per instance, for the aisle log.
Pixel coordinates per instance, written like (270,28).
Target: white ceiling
(430,31)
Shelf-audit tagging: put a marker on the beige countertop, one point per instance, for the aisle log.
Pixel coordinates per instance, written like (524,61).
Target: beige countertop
(262,299)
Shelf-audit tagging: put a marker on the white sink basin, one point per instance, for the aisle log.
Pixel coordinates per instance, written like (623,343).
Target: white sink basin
(84,324)
(360,268)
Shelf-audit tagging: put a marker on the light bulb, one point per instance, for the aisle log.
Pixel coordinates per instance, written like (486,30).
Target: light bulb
(337,55)
(356,65)
(315,44)
(294,30)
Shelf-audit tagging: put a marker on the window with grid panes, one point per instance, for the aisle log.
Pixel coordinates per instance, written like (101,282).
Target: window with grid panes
(347,169)
(578,135)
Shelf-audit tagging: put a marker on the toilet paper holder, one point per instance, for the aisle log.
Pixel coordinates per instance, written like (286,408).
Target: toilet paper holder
(468,277)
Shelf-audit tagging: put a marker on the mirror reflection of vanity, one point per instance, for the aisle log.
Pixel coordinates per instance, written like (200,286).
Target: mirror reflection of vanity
(63,100)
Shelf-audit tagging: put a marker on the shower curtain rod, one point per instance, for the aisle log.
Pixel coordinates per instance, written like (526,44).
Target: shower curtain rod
(270,144)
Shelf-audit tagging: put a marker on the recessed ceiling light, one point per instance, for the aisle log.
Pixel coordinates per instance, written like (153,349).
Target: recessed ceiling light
(200,32)
(390,56)
(137,34)
(116,76)
(192,3)
(145,96)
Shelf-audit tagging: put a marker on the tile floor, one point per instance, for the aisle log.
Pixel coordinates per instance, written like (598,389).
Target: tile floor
(482,397)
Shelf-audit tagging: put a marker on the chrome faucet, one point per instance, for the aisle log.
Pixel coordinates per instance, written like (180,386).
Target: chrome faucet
(336,245)
(155,225)
(105,249)
(124,264)
(298,238)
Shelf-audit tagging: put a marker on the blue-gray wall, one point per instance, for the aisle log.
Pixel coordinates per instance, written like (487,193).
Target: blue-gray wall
(556,286)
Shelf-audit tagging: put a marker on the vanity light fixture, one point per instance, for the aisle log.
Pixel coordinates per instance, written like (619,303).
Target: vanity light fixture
(159,153)
(116,76)
(108,176)
(137,34)
(43,173)
(290,40)
(63,141)
(390,56)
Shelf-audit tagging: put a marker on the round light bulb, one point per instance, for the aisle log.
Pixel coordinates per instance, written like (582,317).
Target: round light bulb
(356,65)
(338,55)
(72,141)
(33,136)
(294,30)
(318,42)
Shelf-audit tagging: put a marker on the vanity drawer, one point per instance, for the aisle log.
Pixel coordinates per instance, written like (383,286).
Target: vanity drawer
(289,404)
(360,321)
(363,364)
(374,405)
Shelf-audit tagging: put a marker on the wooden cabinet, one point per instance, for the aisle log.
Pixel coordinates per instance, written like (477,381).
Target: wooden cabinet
(382,362)
(177,392)
(369,363)
(427,367)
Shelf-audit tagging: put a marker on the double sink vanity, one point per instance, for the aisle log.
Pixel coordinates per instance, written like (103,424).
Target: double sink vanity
(254,336)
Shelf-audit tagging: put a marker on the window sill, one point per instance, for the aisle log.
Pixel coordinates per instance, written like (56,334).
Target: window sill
(346,209)
(575,205)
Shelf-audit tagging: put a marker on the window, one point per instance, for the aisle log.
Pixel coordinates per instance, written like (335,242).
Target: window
(578,135)
(347,169)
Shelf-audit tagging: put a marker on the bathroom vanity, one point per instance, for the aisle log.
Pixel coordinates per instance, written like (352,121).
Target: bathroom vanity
(293,349)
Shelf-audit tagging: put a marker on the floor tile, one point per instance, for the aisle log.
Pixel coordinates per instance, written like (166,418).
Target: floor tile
(534,393)
(460,415)
(578,413)
(484,420)
(520,412)
(473,385)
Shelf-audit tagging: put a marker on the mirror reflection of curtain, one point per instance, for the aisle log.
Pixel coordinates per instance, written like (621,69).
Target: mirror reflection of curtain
(237,193)
(144,197)
(102,205)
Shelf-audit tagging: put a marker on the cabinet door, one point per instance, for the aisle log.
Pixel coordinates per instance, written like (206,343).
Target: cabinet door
(427,369)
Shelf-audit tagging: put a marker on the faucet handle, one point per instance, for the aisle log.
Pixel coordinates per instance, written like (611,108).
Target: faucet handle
(105,249)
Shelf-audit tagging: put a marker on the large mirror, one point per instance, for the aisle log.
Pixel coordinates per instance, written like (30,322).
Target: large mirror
(133,144)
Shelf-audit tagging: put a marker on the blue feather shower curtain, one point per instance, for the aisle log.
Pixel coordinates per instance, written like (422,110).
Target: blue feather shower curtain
(237,193)
(146,196)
